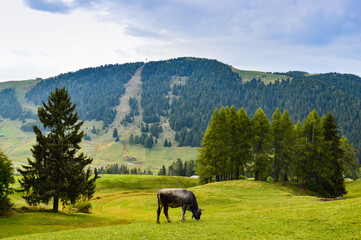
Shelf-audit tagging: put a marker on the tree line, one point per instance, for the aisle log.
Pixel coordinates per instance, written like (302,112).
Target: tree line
(311,153)
(123,169)
(179,168)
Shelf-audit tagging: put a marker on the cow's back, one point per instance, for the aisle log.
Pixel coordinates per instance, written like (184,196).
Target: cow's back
(175,197)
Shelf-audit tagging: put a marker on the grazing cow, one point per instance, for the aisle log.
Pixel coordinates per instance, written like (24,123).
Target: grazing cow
(177,197)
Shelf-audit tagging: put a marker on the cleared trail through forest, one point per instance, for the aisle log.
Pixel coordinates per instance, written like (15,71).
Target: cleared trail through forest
(132,89)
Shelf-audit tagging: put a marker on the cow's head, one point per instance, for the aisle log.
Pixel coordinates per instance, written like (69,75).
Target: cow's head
(197,214)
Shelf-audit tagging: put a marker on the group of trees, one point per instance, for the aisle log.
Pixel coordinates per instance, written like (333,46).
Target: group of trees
(311,153)
(9,104)
(178,168)
(145,140)
(134,111)
(155,129)
(123,169)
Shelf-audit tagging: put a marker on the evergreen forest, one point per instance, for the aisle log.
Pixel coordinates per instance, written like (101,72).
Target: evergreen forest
(311,153)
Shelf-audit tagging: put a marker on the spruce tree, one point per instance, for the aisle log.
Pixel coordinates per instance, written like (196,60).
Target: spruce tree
(334,153)
(115,133)
(287,146)
(58,169)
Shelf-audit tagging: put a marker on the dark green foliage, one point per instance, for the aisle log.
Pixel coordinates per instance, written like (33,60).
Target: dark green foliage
(115,133)
(57,171)
(156,129)
(9,104)
(28,127)
(162,171)
(335,186)
(87,137)
(312,154)
(262,140)
(194,106)
(178,168)
(123,169)
(226,146)
(146,140)
(94,131)
(105,84)
(6,178)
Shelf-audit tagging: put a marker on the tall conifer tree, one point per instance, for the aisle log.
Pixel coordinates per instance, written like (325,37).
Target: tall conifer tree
(262,141)
(58,169)
(277,139)
(334,153)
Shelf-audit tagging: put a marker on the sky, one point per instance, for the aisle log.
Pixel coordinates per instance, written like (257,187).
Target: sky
(43,38)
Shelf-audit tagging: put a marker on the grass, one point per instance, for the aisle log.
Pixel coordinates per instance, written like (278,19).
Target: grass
(124,208)
(265,77)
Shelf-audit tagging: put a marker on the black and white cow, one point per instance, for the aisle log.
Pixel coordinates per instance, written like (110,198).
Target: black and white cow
(177,197)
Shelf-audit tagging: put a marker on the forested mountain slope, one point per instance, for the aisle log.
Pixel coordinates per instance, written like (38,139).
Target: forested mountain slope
(184,92)
(94,90)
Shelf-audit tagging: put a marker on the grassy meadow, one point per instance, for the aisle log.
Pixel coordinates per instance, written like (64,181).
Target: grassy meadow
(124,207)
(265,77)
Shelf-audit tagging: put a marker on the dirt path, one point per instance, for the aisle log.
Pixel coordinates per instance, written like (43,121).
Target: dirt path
(132,89)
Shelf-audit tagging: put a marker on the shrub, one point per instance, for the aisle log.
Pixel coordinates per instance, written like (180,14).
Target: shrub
(270,179)
(83,207)
(6,179)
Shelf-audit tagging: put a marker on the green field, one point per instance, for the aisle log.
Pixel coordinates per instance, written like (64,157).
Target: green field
(265,77)
(124,207)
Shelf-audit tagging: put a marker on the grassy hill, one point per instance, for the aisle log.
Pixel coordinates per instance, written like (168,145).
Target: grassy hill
(124,207)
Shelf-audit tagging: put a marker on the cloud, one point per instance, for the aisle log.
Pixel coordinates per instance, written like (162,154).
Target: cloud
(52,6)
(298,21)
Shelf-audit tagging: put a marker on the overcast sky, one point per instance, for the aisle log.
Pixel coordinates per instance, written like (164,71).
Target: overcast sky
(43,38)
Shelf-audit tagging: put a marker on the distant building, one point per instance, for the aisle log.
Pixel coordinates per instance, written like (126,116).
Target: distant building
(194,176)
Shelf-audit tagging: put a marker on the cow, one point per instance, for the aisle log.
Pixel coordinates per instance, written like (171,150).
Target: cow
(177,197)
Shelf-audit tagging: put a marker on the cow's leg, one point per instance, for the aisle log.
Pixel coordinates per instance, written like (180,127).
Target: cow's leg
(166,213)
(184,208)
(158,212)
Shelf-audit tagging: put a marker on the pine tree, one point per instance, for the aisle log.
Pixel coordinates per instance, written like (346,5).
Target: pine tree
(335,185)
(6,179)
(287,146)
(57,171)
(162,171)
(314,150)
(209,155)
(350,159)
(277,139)
(115,133)
(261,144)
(165,143)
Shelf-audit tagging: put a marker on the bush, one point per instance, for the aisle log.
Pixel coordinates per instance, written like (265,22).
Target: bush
(270,179)
(83,207)
(6,179)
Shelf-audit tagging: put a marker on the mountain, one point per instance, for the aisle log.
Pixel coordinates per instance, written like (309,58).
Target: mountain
(148,103)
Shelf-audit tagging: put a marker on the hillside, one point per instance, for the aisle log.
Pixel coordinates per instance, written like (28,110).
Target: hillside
(176,99)
(124,207)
